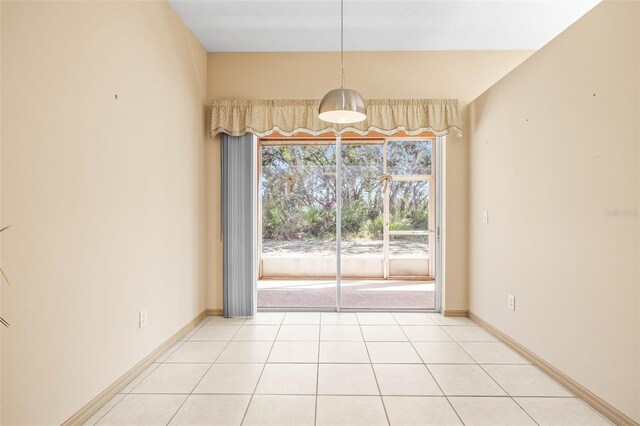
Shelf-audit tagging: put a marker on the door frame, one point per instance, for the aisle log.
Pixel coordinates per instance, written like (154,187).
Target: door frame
(431,225)
(435,185)
(439,234)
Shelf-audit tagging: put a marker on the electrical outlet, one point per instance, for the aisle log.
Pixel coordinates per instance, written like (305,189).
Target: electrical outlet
(512,302)
(485,217)
(142,318)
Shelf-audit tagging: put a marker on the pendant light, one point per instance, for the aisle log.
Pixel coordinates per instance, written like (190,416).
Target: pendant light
(342,106)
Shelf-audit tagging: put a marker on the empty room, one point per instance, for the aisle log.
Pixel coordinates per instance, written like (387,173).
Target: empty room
(320,213)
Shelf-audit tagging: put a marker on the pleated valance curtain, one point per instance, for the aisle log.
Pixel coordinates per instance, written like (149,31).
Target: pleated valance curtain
(288,117)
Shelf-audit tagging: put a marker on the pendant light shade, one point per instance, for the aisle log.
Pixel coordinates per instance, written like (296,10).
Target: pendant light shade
(342,106)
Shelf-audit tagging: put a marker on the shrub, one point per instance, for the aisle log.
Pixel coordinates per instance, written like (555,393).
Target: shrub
(419,218)
(271,220)
(373,228)
(399,222)
(354,216)
(314,221)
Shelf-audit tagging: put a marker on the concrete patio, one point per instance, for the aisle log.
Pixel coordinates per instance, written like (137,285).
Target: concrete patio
(356,294)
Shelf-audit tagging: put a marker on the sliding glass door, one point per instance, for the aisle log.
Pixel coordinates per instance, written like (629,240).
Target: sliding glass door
(409,209)
(347,224)
(297,214)
(386,213)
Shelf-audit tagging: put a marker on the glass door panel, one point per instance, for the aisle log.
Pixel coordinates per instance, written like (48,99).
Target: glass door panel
(409,157)
(409,205)
(362,203)
(409,255)
(362,223)
(298,222)
(409,222)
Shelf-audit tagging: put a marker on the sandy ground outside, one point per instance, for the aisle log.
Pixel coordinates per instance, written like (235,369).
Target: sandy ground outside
(326,248)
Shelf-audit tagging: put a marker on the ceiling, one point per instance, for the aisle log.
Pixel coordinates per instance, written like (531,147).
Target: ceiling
(377,25)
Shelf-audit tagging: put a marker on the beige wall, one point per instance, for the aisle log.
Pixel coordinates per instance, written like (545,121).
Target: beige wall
(554,146)
(105,196)
(462,75)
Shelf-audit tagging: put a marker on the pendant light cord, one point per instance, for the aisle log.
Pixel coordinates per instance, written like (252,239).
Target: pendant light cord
(342,41)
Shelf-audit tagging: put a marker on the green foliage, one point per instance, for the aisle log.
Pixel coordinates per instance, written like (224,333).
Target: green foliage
(409,220)
(318,222)
(373,228)
(313,217)
(354,215)
(299,194)
(271,220)
(398,222)
(419,218)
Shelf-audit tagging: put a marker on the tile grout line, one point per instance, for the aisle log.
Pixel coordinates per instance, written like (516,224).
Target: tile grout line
(492,378)
(525,411)
(315,414)
(352,341)
(355,394)
(263,367)
(109,410)
(384,407)
(206,372)
(505,391)
(182,342)
(280,325)
(431,374)
(356,363)
(197,327)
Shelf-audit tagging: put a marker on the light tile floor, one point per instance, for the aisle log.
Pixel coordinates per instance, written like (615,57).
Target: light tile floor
(343,369)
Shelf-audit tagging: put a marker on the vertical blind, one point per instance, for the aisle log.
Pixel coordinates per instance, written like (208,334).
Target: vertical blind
(239,225)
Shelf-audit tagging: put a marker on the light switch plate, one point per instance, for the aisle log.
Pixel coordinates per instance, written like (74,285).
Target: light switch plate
(512,302)
(485,216)
(142,319)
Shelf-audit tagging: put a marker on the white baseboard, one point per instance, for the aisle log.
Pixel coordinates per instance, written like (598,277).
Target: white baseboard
(597,403)
(96,403)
